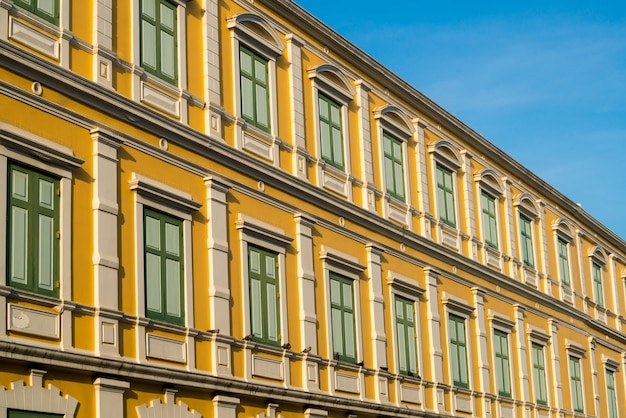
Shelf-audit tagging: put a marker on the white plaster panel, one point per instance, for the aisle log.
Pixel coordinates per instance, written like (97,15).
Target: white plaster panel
(507,411)
(160,100)
(335,184)
(397,214)
(346,383)
(34,39)
(258,147)
(269,368)
(410,394)
(463,404)
(530,278)
(34,321)
(493,258)
(449,238)
(166,348)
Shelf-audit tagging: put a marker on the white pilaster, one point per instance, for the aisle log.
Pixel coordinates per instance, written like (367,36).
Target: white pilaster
(434,326)
(103,42)
(110,397)
(614,289)
(481,338)
(365,145)
(556,385)
(211,61)
(296,97)
(219,289)
(581,268)
(105,254)
(542,245)
(225,406)
(522,356)
(379,340)
(509,229)
(594,377)
(306,282)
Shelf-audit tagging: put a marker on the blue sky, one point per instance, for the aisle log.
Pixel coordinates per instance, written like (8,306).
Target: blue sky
(543,81)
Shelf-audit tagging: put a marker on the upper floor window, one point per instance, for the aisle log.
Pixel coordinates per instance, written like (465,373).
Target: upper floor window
(158,39)
(33,230)
(503,363)
(445,196)
(489,220)
(264,295)
(45,9)
(539,373)
(164,267)
(331,137)
(394,166)
(526,241)
(458,350)
(254,89)
(407,335)
(564,270)
(576,387)
(598,292)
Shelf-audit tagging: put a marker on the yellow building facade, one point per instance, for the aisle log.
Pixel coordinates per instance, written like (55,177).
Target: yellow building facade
(224,209)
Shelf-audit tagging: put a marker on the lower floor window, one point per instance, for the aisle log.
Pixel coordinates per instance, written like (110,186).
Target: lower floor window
(14,413)
(342,318)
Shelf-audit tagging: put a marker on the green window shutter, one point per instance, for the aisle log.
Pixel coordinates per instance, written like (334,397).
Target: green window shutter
(539,374)
(342,318)
(33,231)
(394,166)
(45,9)
(330,131)
(458,351)
(503,367)
(576,384)
(610,393)
(406,334)
(563,262)
(158,39)
(490,227)
(445,196)
(164,267)
(527,241)
(14,413)
(597,284)
(264,295)
(254,85)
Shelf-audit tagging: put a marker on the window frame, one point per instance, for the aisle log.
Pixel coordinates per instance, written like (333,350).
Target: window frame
(157,71)
(576,386)
(445,193)
(34,9)
(457,379)
(335,262)
(255,233)
(527,246)
(263,279)
(611,393)
(25,148)
(344,310)
(395,161)
(444,155)
(405,341)
(540,382)
(33,237)
(489,220)
(165,219)
(564,262)
(321,120)
(151,194)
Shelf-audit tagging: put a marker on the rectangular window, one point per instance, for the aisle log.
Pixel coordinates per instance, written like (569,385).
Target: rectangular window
(405,329)
(45,9)
(527,241)
(445,196)
(264,295)
(158,39)
(163,254)
(458,351)
(490,226)
(597,284)
(576,384)
(564,262)
(330,131)
(255,96)
(610,393)
(539,374)
(342,318)
(503,364)
(394,170)
(33,231)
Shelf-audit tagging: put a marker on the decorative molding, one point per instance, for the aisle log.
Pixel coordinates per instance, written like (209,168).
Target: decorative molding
(33,321)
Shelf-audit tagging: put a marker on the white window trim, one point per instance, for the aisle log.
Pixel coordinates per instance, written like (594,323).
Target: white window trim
(270,50)
(335,261)
(392,120)
(175,106)
(23,395)
(598,257)
(576,350)
(502,323)
(265,236)
(461,308)
(407,288)
(49,157)
(486,181)
(524,207)
(179,204)
(342,94)
(563,231)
